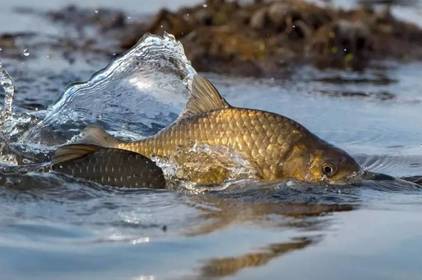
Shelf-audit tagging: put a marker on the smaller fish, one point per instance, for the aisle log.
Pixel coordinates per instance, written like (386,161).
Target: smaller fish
(108,166)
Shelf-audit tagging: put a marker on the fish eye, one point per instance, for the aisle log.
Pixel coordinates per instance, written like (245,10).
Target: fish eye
(328,169)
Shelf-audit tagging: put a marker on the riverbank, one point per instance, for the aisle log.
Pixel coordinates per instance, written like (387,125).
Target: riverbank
(261,38)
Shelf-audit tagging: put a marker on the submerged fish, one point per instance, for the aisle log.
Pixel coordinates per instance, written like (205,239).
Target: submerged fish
(273,147)
(113,167)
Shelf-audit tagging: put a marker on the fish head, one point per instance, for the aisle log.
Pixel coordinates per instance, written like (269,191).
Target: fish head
(331,165)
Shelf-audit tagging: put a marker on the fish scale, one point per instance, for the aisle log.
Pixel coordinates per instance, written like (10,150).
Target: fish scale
(230,125)
(212,140)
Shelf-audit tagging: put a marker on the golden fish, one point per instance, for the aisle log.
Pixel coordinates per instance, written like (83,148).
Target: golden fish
(272,146)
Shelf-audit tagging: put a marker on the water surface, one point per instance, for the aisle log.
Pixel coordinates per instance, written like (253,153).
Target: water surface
(55,227)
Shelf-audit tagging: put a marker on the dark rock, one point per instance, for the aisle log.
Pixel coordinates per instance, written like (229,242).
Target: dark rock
(280,13)
(253,38)
(259,19)
(268,36)
(343,44)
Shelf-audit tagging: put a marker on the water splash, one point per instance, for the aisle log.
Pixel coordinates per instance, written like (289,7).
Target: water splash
(135,96)
(191,169)
(8,86)
(12,125)
(6,113)
(144,90)
(26,52)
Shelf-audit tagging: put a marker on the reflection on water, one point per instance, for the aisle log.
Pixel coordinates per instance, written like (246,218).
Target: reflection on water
(219,212)
(227,209)
(95,216)
(222,267)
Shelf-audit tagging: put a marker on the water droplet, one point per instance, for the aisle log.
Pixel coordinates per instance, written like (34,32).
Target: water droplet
(345,49)
(205,5)
(26,52)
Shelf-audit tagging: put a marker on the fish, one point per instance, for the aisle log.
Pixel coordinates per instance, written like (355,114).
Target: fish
(274,147)
(107,166)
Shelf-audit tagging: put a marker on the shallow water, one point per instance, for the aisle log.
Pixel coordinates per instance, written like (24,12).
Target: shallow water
(57,227)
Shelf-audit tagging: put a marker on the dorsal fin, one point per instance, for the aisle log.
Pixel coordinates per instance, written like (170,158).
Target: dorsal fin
(205,98)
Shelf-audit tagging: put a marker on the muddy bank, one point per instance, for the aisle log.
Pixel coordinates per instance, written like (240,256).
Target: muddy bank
(258,38)
(264,37)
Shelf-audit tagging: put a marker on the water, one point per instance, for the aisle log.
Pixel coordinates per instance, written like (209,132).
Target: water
(55,227)
(129,93)
(9,91)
